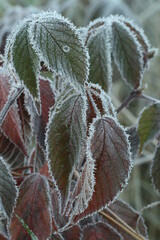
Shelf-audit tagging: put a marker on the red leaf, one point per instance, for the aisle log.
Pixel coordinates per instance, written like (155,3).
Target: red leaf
(47,99)
(100,231)
(110,150)
(129,216)
(33,206)
(11,126)
(44,170)
(72,233)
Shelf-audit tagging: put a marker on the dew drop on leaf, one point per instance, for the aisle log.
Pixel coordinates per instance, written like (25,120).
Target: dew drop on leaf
(66,48)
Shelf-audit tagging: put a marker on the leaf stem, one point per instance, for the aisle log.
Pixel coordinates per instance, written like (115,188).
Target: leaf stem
(124,227)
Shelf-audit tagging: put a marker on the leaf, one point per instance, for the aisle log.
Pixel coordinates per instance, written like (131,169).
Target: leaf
(8,190)
(155,169)
(100,57)
(10,153)
(24,58)
(99,103)
(109,148)
(11,127)
(39,121)
(127,53)
(100,231)
(72,233)
(33,207)
(83,191)
(33,237)
(134,140)
(65,140)
(149,124)
(59,45)
(129,216)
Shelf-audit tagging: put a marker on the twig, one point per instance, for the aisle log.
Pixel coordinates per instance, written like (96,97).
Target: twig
(149,98)
(122,226)
(129,99)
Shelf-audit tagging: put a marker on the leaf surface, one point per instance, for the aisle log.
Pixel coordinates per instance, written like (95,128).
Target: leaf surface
(127,54)
(8,190)
(155,169)
(149,124)
(134,140)
(65,140)
(11,126)
(100,57)
(129,216)
(25,60)
(109,148)
(33,207)
(59,45)
(100,231)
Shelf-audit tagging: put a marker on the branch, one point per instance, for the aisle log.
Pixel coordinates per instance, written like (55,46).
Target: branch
(129,99)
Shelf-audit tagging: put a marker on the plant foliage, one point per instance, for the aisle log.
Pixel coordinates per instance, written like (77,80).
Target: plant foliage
(66,156)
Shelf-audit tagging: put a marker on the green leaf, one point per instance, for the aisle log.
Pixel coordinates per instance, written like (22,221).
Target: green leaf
(127,53)
(25,60)
(65,139)
(149,124)
(8,190)
(31,234)
(100,57)
(59,45)
(155,169)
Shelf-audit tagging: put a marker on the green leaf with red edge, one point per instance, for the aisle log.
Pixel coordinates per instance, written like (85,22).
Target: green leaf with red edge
(33,207)
(11,127)
(110,150)
(100,231)
(129,215)
(8,190)
(65,140)
(155,169)
(149,124)
(127,52)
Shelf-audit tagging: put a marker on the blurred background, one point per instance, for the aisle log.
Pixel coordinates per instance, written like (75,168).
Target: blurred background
(146,13)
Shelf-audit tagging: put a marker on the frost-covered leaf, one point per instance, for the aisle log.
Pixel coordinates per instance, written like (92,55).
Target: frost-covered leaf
(59,45)
(8,190)
(127,53)
(155,169)
(109,148)
(99,103)
(33,207)
(65,140)
(129,216)
(11,126)
(31,234)
(149,124)
(24,59)
(99,47)
(83,191)
(10,153)
(134,140)
(100,231)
